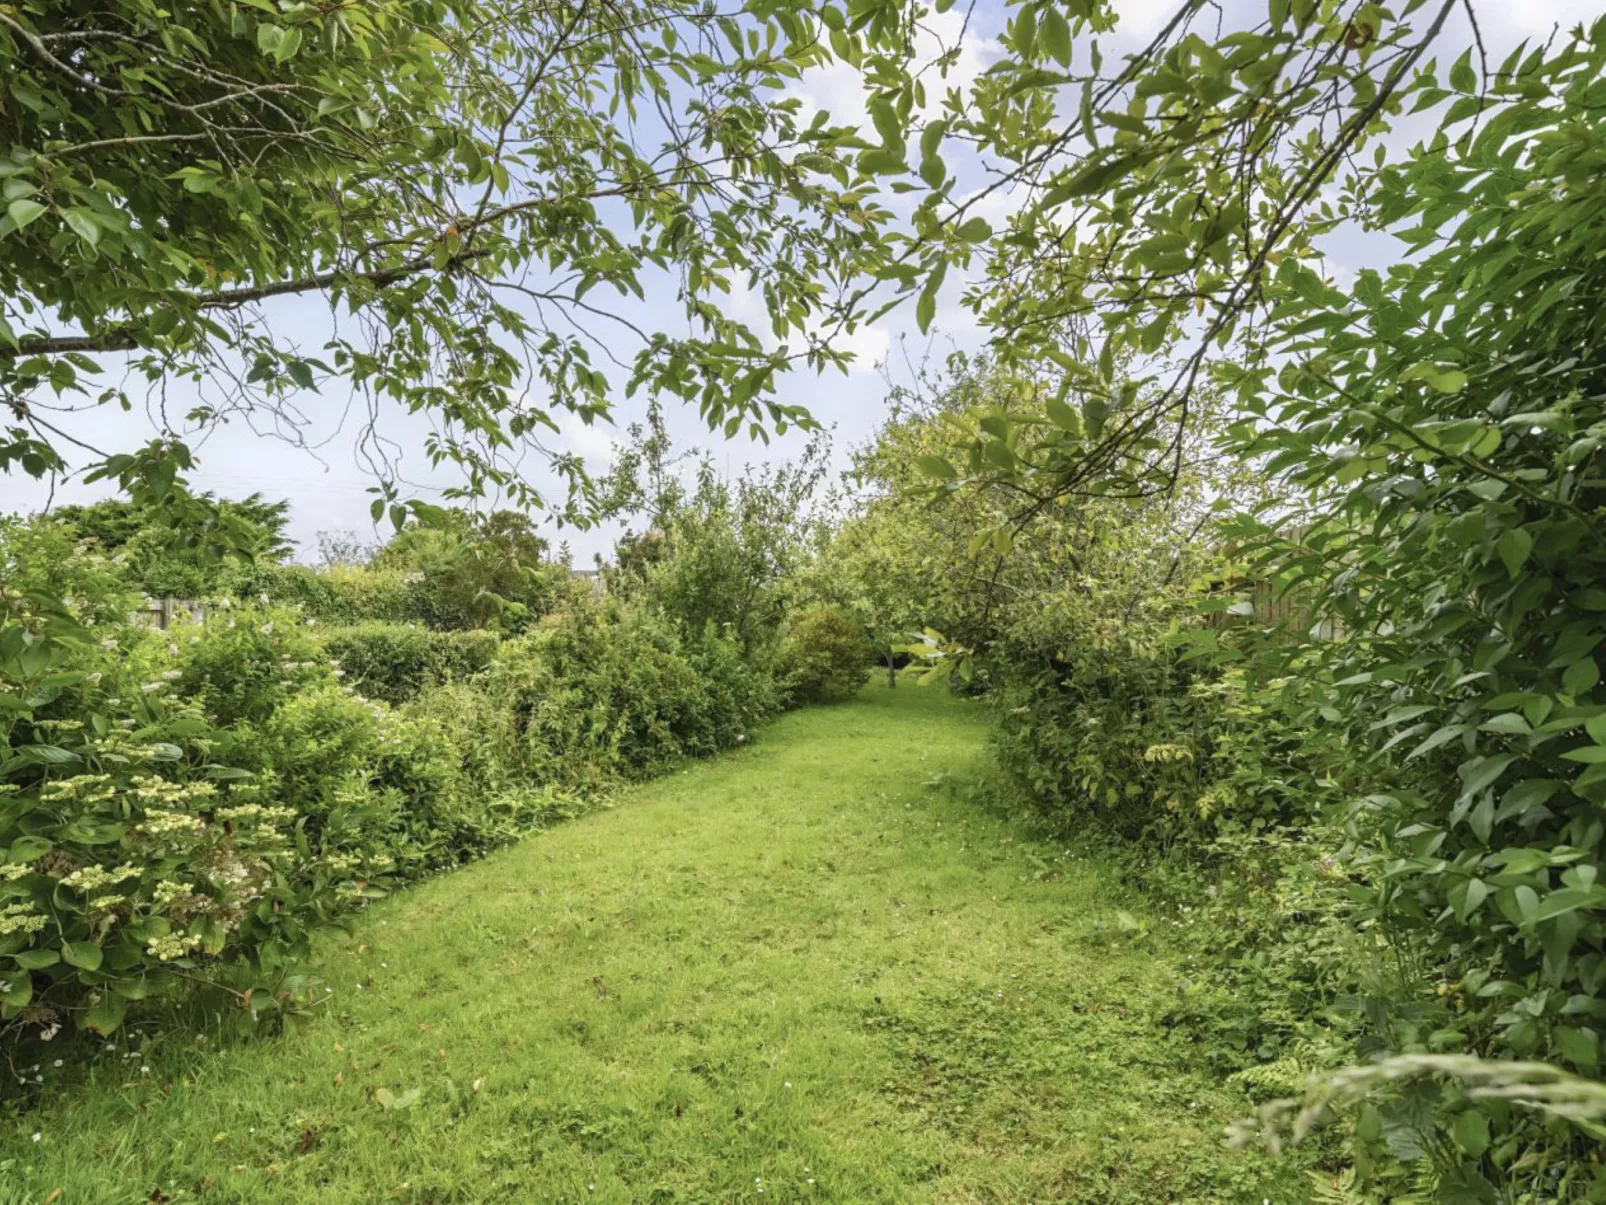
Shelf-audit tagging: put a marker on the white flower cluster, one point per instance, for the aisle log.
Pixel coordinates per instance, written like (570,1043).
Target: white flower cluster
(255,813)
(20,918)
(149,789)
(174,945)
(92,878)
(167,891)
(161,823)
(82,788)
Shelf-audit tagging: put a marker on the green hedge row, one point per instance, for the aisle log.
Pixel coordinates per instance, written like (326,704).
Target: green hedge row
(395,662)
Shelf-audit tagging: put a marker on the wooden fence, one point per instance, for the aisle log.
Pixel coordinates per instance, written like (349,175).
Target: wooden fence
(1268,610)
(162,612)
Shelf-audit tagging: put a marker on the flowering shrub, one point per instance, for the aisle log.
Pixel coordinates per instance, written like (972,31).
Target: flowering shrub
(129,859)
(246,662)
(192,805)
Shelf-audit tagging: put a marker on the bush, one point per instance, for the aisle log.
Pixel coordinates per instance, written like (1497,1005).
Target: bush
(55,569)
(824,656)
(475,571)
(604,690)
(340,594)
(741,694)
(395,662)
(192,804)
(130,856)
(1146,745)
(244,663)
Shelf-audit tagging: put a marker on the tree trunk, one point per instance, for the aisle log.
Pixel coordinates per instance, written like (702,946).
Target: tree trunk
(892,672)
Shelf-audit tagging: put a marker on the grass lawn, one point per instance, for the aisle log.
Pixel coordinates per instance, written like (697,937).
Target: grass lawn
(806,971)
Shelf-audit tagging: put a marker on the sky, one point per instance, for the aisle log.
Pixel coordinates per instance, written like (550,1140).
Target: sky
(327,484)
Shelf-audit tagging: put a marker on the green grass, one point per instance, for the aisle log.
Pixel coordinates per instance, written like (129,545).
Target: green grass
(804,969)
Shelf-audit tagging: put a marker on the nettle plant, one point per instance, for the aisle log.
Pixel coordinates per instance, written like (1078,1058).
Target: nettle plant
(1445,421)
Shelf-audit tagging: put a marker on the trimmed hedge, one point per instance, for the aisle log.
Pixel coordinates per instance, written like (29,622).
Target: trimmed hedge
(395,662)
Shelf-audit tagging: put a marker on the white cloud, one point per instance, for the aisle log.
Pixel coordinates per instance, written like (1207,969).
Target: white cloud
(839,89)
(868,342)
(591,442)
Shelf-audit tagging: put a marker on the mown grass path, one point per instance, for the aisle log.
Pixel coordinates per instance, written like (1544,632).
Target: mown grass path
(798,973)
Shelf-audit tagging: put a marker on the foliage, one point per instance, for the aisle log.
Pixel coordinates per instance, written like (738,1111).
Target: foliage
(1440,424)
(192,805)
(473,571)
(338,594)
(245,664)
(1158,197)
(190,553)
(395,662)
(603,690)
(45,565)
(742,919)
(823,657)
(133,854)
(450,179)
(715,554)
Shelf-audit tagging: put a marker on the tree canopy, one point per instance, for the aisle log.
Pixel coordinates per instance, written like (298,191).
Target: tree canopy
(475,193)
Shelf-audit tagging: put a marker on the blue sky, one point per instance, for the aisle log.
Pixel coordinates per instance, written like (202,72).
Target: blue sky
(326,484)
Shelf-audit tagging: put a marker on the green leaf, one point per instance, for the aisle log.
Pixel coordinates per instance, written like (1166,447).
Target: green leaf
(1471,897)
(1480,773)
(105,1014)
(1589,755)
(46,755)
(83,225)
(1580,676)
(288,44)
(393,1102)
(1064,417)
(24,210)
(1054,32)
(85,955)
(1440,376)
(36,960)
(1579,1046)
(1513,547)
(937,466)
(976,230)
(19,993)
(1527,904)
(1472,1132)
(28,849)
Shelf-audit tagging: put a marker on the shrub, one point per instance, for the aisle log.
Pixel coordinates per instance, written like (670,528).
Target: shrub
(742,693)
(395,662)
(244,663)
(824,656)
(602,690)
(130,857)
(191,805)
(475,571)
(54,568)
(187,551)
(1147,745)
(339,594)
